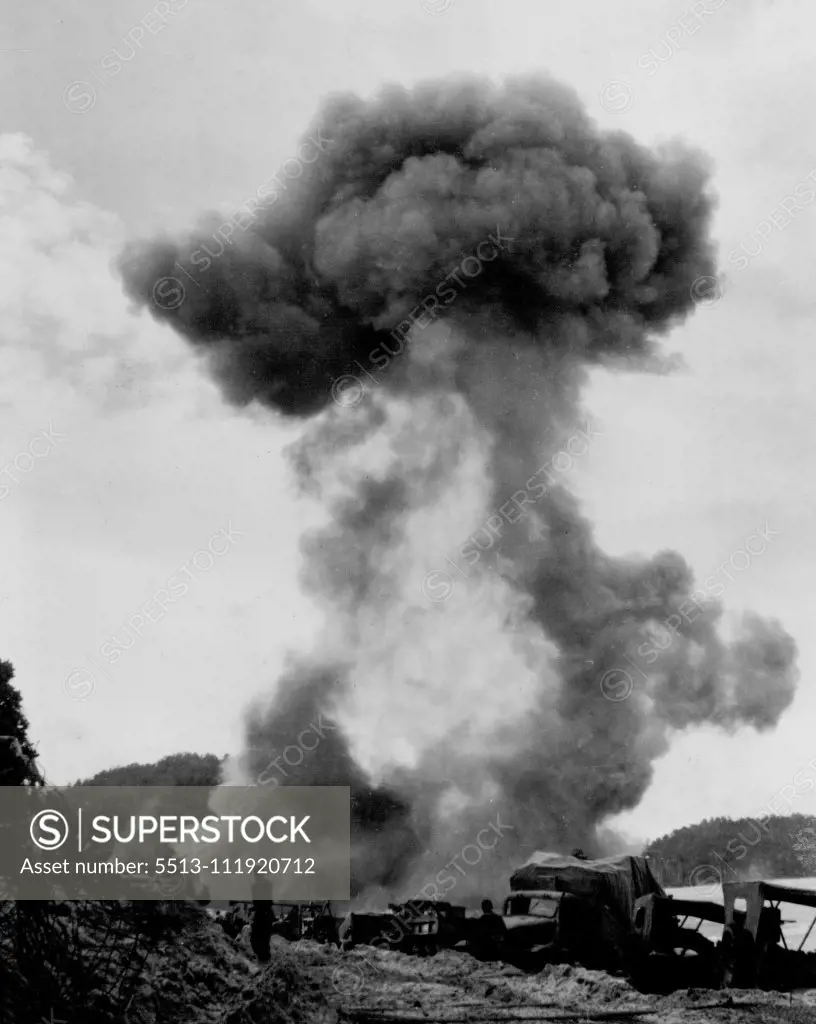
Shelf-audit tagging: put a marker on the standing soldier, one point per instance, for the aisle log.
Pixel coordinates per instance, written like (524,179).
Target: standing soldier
(491,933)
(263,919)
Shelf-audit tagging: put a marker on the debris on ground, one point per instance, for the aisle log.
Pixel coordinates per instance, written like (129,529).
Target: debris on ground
(202,976)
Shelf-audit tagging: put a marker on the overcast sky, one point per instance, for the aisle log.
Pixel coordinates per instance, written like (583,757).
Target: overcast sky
(145,465)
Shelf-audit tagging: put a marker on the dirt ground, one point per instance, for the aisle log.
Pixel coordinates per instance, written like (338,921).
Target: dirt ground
(207,977)
(454,986)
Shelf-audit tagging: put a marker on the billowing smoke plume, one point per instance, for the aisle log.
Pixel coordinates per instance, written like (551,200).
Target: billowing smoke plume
(445,264)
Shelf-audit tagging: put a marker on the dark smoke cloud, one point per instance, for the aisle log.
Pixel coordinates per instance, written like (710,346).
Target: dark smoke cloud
(607,238)
(447,712)
(384,838)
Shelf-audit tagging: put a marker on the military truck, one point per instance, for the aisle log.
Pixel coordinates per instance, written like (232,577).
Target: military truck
(573,909)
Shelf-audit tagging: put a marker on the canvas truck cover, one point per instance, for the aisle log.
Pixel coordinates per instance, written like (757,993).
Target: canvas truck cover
(614,881)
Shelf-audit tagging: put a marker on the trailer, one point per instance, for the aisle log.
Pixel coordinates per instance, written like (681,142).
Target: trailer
(756,952)
(457,927)
(310,920)
(668,949)
(397,929)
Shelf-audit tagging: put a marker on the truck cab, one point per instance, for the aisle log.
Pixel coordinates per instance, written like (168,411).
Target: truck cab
(552,925)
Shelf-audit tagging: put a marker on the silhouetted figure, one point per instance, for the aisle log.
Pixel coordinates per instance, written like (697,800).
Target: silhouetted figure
(263,919)
(491,932)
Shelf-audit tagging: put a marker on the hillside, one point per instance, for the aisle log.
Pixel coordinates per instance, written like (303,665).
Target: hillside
(174,770)
(742,848)
(736,849)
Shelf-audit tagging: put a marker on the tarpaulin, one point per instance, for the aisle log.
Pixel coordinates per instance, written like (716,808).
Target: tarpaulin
(615,882)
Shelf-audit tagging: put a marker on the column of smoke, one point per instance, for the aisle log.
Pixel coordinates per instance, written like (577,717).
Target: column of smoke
(450,712)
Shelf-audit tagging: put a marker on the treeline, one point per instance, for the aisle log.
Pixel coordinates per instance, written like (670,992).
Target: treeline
(174,770)
(741,849)
(82,960)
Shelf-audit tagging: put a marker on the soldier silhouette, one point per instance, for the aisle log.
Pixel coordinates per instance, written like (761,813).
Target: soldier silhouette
(263,918)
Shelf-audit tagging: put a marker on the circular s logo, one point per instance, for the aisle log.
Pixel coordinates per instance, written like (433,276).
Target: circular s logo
(79,97)
(437,585)
(616,684)
(706,880)
(170,886)
(48,830)
(347,390)
(617,97)
(437,6)
(168,293)
(79,684)
(707,290)
(348,979)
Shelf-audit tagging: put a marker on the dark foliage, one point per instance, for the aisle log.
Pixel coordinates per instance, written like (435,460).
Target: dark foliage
(736,849)
(174,770)
(79,961)
(13,723)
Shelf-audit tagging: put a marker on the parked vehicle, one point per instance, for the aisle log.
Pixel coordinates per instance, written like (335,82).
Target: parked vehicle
(668,948)
(578,910)
(457,927)
(755,950)
(547,927)
(319,923)
(396,929)
(312,920)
